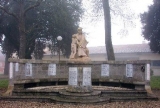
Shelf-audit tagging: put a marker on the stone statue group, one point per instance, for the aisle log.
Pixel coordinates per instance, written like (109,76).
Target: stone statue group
(78,46)
(79,51)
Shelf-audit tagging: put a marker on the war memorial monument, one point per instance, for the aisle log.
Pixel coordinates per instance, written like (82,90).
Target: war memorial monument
(79,79)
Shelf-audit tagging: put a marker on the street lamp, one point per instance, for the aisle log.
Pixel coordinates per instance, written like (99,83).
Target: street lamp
(59,38)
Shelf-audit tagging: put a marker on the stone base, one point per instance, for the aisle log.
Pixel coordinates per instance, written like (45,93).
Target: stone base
(139,87)
(9,91)
(79,89)
(148,89)
(58,94)
(80,59)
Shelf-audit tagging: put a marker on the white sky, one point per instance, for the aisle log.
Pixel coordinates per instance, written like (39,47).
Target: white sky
(96,33)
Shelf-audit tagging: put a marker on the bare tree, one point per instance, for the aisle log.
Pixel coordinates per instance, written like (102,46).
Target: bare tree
(109,10)
(108,40)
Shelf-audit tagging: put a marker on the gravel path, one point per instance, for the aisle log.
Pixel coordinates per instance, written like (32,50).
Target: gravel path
(17,104)
(137,104)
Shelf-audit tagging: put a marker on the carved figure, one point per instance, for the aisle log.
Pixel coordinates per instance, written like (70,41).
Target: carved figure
(73,47)
(78,45)
(14,55)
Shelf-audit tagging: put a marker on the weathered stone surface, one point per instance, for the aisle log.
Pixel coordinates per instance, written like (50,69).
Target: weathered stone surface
(81,60)
(117,71)
(100,95)
(79,89)
(139,62)
(79,50)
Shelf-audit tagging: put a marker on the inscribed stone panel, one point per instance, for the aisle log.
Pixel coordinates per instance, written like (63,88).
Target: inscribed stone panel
(51,69)
(105,70)
(86,76)
(28,69)
(73,74)
(129,70)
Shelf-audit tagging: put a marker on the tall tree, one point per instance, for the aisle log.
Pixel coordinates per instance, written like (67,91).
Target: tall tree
(151,26)
(108,39)
(20,18)
(45,22)
(53,18)
(9,45)
(110,10)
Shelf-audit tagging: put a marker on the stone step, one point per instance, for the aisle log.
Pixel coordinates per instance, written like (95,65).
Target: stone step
(27,98)
(70,95)
(33,93)
(58,99)
(55,99)
(124,93)
(145,98)
(63,96)
(94,93)
(63,93)
(82,101)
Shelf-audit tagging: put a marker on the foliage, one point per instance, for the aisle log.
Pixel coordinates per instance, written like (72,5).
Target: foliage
(38,52)
(4,83)
(151,26)
(10,44)
(45,22)
(155,82)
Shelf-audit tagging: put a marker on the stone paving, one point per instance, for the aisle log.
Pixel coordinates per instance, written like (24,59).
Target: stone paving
(136,104)
(50,88)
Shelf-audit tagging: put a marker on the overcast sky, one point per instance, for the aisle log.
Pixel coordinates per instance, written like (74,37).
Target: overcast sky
(96,33)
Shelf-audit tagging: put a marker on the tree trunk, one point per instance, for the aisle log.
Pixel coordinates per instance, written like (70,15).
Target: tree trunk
(22,48)
(22,34)
(6,67)
(108,40)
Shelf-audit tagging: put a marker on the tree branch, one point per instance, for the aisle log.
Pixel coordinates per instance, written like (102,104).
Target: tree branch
(9,13)
(33,6)
(31,28)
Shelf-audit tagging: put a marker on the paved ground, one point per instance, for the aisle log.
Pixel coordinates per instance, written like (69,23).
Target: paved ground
(137,104)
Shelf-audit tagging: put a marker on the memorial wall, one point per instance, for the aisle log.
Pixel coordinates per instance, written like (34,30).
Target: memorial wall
(113,71)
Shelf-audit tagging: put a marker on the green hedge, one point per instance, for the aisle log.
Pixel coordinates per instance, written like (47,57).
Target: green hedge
(155,82)
(3,83)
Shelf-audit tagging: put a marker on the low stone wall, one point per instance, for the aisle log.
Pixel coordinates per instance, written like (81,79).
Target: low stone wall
(130,72)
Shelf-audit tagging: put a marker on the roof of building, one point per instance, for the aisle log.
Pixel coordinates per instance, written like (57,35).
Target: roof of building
(130,48)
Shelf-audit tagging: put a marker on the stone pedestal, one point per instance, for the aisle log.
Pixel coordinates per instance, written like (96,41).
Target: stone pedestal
(79,79)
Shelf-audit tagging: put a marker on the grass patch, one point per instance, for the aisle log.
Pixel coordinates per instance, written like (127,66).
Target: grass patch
(155,82)
(3,83)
